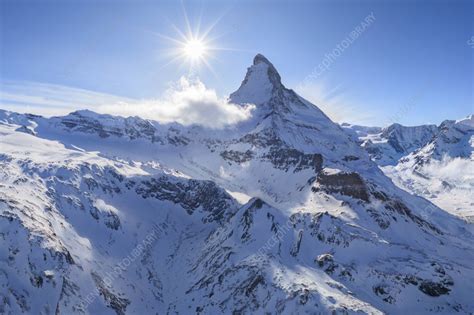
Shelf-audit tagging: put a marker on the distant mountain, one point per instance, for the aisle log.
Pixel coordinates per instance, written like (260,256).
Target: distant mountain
(453,139)
(387,145)
(284,213)
(436,162)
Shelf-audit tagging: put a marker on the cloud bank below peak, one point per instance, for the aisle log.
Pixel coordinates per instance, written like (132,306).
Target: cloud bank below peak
(187,101)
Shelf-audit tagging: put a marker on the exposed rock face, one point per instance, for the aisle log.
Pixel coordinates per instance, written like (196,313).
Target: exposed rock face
(27,130)
(262,138)
(434,288)
(105,126)
(408,139)
(286,158)
(280,157)
(118,304)
(236,156)
(191,195)
(348,184)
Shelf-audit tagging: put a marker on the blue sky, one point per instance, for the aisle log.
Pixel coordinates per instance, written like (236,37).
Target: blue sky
(414,64)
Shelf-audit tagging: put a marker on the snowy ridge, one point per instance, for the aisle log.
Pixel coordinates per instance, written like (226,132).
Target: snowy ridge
(112,215)
(436,162)
(386,146)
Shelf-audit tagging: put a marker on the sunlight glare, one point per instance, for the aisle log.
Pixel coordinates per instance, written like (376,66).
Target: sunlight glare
(194,49)
(192,46)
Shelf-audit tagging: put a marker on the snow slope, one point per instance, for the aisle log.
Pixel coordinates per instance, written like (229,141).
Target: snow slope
(284,213)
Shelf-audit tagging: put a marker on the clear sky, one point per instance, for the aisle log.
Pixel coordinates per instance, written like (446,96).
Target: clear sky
(413,63)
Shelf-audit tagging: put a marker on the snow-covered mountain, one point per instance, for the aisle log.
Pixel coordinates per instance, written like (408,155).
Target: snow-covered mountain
(283,213)
(436,162)
(386,146)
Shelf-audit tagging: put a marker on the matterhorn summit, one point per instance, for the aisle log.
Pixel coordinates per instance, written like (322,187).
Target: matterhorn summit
(261,82)
(262,86)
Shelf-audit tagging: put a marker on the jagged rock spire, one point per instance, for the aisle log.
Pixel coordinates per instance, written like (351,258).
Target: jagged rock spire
(272,73)
(259,84)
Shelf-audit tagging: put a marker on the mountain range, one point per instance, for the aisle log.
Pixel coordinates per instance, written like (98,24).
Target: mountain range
(284,213)
(435,162)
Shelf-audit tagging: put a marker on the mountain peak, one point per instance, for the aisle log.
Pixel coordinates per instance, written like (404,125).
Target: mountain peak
(272,74)
(259,58)
(260,82)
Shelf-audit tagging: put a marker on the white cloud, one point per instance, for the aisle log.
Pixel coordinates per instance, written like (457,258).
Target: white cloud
(456,170)
(333,103)
(186,101)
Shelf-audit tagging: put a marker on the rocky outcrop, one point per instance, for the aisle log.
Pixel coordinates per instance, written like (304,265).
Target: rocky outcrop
(286,158)
(408,139)
(345,183)
(105,126)
(192,195)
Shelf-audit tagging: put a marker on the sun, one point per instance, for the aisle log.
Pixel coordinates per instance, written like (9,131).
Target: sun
(192,46)
(191,49)
(194,49)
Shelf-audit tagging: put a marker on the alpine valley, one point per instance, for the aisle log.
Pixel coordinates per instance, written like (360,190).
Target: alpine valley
(284,213)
